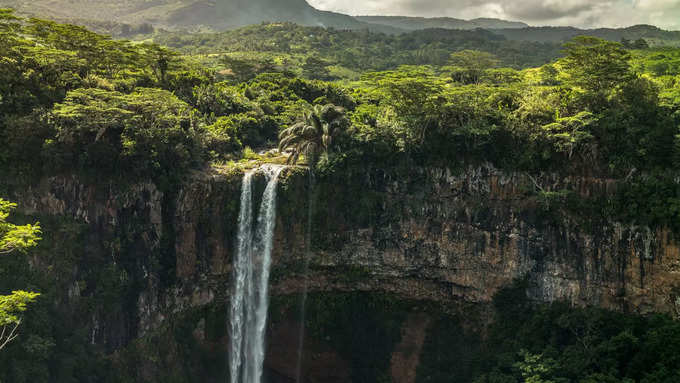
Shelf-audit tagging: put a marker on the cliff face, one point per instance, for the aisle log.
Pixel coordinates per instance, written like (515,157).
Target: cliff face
(422,235)
(433,235)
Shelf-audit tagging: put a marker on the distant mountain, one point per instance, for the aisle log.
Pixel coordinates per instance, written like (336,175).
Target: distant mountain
(417,23)
(558,34)
(191,14)
(229,14)
(130,17)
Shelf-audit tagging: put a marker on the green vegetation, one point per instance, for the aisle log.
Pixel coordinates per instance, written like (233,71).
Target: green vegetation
(79,283)
(74,100)
(10,308)
(139,111)
(315,134)
(553,344)
(298,49)
(527,342)
(14,238)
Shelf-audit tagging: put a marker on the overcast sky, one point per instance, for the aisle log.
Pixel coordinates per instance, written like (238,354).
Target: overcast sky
(581,13)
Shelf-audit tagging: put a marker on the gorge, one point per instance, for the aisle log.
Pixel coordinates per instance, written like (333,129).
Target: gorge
(450,239)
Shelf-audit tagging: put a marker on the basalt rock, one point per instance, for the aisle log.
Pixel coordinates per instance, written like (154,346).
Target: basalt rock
(435,235)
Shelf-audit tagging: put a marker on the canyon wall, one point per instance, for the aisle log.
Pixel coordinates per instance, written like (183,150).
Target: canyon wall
(131,260)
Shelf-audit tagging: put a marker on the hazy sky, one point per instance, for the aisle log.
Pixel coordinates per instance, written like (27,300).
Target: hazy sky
(583,13)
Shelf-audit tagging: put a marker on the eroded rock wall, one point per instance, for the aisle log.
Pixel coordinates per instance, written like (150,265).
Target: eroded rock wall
(146,257)
(431,234)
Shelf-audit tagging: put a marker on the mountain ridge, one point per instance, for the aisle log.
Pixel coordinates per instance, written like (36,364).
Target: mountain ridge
(229,14)
(129,17)
(191,14)
(558,34)
(415,23)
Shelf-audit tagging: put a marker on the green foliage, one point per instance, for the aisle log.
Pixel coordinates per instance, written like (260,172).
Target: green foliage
(595,65)
(220,99)
(637,44)
(568,134)
(552,343)
(14,238)
(652,200)
(244,69)
(50,347)
(315,134)
(314,49)
(658,62)
(588,110)
(535,368)
(149,132)
(316,68)
(12,305)
(56,74)
(557,343)
(470,65)
(222,136)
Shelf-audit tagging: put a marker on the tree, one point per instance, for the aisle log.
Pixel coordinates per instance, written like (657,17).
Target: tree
(535,368)
(595,65)
(14,238)
(417,101)
(315,68)
(637,44)
(244,68)
(10,308)
(314,134)
(640,44)
(148,133)
(625,42)
(471,64)
(158,59)
(569,133)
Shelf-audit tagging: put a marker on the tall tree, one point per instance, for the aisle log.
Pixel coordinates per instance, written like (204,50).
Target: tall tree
(246,68)
(471,64)
(314,134)
(595,65)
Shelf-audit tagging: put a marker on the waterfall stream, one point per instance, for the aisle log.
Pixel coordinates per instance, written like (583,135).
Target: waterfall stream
(250,295)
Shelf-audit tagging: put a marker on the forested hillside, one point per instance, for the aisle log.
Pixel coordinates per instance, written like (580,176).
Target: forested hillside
(651,34)
(416,23)
(601,108)
(187,14)
(358,51)
(139,18)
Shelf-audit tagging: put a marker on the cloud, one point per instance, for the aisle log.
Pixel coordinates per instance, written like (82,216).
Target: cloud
(532,10)
(582,13)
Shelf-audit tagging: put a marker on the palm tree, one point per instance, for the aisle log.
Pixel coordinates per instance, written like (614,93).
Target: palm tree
(314,134)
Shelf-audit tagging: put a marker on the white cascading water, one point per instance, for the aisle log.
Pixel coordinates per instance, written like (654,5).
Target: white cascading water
(250,296)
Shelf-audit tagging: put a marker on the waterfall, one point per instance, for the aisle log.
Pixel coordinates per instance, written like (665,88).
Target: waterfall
(250,295)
